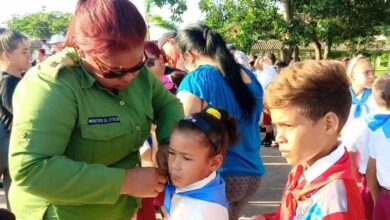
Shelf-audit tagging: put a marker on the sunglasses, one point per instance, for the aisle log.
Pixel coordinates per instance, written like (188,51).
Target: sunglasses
(112,73)
(150,62)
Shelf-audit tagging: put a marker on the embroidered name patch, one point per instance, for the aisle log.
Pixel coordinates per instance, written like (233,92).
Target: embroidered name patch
(103,120)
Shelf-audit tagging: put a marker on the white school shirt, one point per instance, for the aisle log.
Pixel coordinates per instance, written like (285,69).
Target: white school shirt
(266,76)
(356,140)
(321,200)
(323,164)
(185,208)
(371,104)
(242,58)
(379,149)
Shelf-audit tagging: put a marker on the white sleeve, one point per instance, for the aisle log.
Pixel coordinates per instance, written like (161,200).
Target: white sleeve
(192,209)
(355,135)
(372,105)
(372,148)
(211,211)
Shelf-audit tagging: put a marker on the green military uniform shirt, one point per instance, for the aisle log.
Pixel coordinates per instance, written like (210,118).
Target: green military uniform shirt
(72,140)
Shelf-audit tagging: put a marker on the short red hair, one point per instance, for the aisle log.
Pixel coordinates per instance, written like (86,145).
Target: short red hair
(106,26)
(152,48)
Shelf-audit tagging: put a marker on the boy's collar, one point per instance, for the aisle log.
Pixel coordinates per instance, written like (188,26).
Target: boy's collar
(323,164)
(198,184)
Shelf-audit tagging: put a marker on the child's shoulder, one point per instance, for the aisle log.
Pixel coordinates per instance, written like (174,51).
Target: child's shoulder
(189,208)
(333,195)
(337,196)
(357,133)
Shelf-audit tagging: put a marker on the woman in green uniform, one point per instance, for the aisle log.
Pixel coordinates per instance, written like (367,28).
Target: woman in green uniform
(80,117)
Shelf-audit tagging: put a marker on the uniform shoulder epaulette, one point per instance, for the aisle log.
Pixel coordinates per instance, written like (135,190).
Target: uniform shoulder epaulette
(53,64)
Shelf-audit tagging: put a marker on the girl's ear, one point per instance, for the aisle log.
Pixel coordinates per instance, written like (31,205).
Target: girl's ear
(5,55)
(189,57)
(216,162)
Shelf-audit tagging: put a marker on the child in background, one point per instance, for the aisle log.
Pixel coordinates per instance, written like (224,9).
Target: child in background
(266,73)
(197,147)
(378,168)
(356,141)
(361,74)
(309,103)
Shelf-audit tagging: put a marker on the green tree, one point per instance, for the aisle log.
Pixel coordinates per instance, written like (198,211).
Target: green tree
(157,19)
(163,23)
(354,23)
(299,22)
(41,24)
(177,7)
(241,21)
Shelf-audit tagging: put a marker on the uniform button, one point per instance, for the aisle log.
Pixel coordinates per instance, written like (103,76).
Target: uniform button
(122,102)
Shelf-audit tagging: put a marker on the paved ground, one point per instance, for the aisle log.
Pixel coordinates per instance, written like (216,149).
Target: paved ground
(268,195)
(2,199)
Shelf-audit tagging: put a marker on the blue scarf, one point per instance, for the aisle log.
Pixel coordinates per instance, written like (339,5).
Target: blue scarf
(214,192)
(360,102)
(379,120)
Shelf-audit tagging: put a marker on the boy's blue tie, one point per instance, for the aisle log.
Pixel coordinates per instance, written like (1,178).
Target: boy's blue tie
(214,192)
(360,102)
(379,120)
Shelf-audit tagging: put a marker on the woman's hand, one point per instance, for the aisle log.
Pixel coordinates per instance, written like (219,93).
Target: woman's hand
(143,182)
(162,158)
(259,217)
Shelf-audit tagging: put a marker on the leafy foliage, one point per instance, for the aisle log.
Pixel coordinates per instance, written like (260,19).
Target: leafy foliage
(161,22)
(40,24)
(298,22)
(177,7)
(241,21)
(351,22)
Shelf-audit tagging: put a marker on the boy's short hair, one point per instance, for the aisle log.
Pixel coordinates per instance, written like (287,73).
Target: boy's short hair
(381,91)
(314,87)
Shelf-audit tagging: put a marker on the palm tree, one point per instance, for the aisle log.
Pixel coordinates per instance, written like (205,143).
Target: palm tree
(157,19)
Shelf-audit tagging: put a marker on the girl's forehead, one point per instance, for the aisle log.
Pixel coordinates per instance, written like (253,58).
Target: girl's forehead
(364,64)
(187,139)
(23,44)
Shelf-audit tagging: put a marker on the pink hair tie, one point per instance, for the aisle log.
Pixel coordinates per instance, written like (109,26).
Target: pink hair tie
(167,81)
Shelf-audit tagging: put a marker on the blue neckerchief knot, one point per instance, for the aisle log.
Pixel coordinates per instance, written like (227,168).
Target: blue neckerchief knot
(214,192)
(376,121)
(360,102)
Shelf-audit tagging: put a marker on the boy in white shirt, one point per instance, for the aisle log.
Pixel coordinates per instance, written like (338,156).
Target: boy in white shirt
(309,103)
(378,168)
(356,141)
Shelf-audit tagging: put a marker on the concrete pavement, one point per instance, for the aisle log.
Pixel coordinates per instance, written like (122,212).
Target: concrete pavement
(268,196)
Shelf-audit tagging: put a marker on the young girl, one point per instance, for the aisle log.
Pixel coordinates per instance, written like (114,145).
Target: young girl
(216,79)
(361,74)
(378,168)
(197,147)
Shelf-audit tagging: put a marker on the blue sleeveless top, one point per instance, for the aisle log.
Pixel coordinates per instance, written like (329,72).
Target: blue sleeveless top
(242,158)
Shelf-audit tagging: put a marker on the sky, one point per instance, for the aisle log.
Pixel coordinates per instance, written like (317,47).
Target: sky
(20,7)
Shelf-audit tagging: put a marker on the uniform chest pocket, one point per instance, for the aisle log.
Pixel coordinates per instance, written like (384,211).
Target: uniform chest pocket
(142,129)
(104,143)
(104,132)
